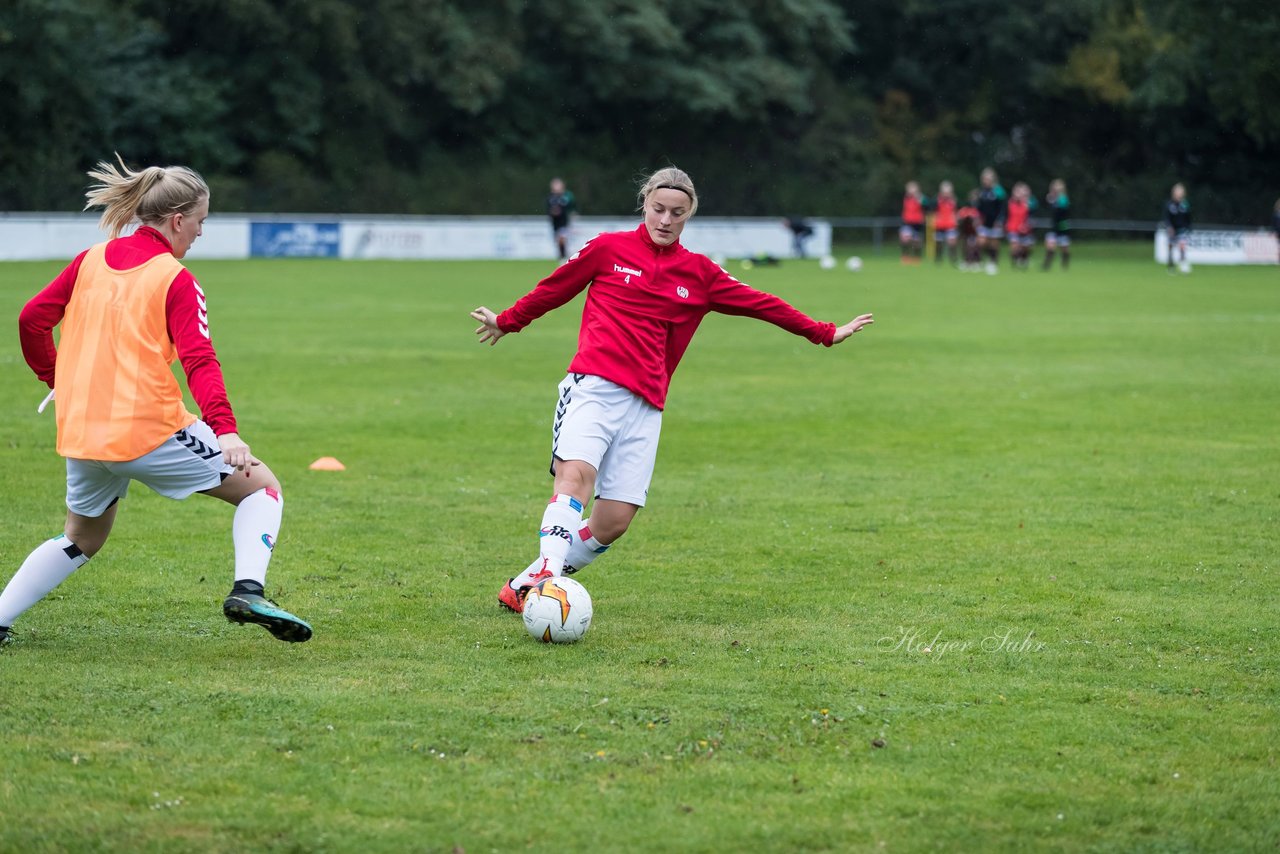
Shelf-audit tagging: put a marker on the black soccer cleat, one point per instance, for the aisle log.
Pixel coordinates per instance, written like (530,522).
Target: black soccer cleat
(6,635)
(251,608)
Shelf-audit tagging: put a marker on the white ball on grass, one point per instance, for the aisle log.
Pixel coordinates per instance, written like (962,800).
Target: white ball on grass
(854,263)
(826,262)
(557,610)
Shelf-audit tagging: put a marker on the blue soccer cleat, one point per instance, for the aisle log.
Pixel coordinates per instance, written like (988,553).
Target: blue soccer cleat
(251,608)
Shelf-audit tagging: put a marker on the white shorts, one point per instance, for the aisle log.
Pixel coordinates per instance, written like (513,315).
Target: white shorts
(611,428)
(1053,239)
(188,461)
(994,232)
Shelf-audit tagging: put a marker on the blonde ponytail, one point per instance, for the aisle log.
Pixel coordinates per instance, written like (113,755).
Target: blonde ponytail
(149,196)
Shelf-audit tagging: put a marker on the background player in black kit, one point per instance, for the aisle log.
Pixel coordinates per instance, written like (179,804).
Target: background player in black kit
(1177,222)
(560,205)
(1059,236)
(991,210)
(1275,223)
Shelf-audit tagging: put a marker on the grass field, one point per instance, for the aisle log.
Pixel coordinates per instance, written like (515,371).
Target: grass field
(999,574)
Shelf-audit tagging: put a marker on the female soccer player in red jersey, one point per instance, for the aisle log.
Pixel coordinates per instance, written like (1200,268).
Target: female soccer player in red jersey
(1018,225)
(646,296)
(128,309)
(911,233)
(945,224)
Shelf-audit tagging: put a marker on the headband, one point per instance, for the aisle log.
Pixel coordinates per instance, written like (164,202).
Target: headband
(674,187)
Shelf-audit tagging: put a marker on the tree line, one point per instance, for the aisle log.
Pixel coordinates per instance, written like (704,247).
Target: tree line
(802,107)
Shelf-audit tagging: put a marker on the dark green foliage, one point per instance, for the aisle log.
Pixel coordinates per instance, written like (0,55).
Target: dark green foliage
(805,106)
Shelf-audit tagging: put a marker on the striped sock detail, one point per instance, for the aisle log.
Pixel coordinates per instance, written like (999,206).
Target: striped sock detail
(71,550)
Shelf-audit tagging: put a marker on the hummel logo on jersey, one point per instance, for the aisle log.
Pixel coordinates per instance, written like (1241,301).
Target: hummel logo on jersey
(202,310)
(682,292)
(618,268)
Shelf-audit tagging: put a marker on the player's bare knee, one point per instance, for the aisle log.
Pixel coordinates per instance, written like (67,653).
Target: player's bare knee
(87,540)
(611,532)
(265,478)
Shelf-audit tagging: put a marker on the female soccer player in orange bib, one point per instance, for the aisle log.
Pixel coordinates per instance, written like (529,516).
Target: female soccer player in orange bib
(646,295)
(128,310)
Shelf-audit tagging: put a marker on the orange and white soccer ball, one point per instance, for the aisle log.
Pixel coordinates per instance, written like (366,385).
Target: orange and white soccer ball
(557,610)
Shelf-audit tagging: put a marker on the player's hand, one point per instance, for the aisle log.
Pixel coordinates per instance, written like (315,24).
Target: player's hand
(843,332)
(236,453)
(488,329)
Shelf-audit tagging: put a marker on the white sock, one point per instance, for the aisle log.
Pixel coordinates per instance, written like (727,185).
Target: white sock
(585,548)
(562,517)
(254,531)
(44,569)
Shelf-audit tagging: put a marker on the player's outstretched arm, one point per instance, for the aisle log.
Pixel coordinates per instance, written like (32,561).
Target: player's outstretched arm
(843,332)
(488,329)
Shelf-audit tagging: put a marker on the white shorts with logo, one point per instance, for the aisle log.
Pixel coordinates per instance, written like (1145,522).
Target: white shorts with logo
(611,428)
(188,461)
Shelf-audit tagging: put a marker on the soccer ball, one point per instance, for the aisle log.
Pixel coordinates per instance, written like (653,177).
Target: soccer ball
(557,610)
(854,263)
(826,262)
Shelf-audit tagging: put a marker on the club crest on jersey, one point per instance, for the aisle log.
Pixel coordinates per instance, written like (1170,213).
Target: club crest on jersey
(682,292)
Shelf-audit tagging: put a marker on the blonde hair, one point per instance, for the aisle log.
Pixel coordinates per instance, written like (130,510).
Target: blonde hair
(150,195)
(670,178)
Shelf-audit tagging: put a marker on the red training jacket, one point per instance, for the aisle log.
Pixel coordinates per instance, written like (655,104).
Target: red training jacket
(912,210)
(945,218)
(644,303)
(1018,219)
(185,313)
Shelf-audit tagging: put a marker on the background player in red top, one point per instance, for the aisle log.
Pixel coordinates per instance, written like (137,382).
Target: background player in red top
(1018,225)
(172,203)
(911,234)
(945,224)
(646,296)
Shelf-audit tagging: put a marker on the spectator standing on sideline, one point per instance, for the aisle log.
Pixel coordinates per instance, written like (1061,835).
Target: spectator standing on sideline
(560,208)
(1177,224)
(801,231)
(1275,225)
